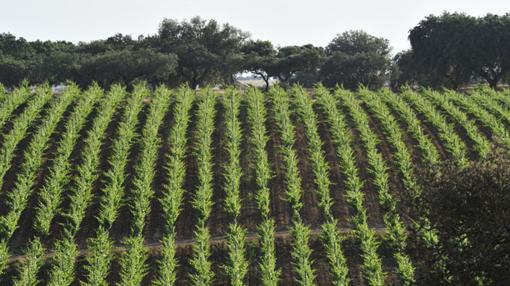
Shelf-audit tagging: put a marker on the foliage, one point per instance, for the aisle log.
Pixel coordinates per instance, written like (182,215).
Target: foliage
(323,137)
(128,67)
(100,245)
(294,60)
(14,100)
(260,58)
(481,144)
(446,132)
(133,261)
(20,127)
(486,118)
(206,50)
(453,48)
(28,272)
(468,208)
(356,58)
(430,156)
(289,64)
(59,176)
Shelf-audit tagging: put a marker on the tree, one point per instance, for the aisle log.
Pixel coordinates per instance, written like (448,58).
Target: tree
(60,66)
(407,70)
(455,48)
(206,51)
(492,52)
(260,59)
(52,62)
(12,70)
(120,42)
(442,48)
(469,209)
(14,55)
(356,58)
(292,60)
(16,47)
(197,52)
(36,61)
(128,67)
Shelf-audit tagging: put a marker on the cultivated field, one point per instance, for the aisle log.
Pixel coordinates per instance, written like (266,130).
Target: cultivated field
(238,188)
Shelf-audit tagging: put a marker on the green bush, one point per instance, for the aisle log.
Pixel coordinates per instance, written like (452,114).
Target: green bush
(469,209)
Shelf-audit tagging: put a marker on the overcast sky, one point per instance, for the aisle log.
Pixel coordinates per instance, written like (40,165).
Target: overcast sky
(284,22)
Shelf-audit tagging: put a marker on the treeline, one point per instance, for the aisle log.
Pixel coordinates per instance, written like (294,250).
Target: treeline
(449,50)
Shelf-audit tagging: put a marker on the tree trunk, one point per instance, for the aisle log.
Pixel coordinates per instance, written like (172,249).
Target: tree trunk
(266,80)
(492,78)
(194,80)
(493,84)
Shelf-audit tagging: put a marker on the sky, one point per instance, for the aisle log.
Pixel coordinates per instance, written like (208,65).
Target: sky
(283,22)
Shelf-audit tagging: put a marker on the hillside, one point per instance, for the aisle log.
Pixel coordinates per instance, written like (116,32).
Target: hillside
(286,187)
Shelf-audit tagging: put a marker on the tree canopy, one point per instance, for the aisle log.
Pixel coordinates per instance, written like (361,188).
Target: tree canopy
(455,49)
(260,59)
(205,49)
(356,58)
(469,209)
(449,50)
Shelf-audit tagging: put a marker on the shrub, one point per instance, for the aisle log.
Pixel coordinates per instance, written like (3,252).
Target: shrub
(469,209)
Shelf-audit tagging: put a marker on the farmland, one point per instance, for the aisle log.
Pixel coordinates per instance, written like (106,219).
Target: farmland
(184,187)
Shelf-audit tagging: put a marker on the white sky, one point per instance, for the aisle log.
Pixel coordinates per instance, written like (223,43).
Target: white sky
(284,22)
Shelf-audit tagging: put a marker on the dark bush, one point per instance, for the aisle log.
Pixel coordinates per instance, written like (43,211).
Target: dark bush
(470,208)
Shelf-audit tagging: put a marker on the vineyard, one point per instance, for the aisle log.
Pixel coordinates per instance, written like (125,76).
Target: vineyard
(229,187)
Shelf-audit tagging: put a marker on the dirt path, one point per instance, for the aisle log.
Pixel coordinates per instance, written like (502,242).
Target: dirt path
(156,247)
